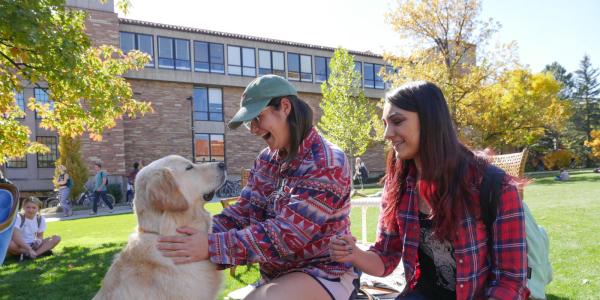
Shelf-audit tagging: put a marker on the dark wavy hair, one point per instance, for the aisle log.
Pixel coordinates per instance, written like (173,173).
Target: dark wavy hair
(444,159)
(299,120)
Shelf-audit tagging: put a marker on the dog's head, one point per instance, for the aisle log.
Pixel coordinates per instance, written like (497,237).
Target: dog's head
(173,184)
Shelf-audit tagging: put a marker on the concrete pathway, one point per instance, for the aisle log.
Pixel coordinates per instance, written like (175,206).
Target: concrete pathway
(53,216)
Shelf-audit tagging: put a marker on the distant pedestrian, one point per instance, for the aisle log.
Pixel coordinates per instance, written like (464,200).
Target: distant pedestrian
(100,183)
(131,180)
(64,189)
(361,172)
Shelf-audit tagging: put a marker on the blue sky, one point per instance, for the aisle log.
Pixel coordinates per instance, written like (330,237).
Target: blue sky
(545,31)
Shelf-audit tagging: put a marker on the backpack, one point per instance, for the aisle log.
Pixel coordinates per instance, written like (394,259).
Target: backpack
(69,183)
(539,271)
(39,220)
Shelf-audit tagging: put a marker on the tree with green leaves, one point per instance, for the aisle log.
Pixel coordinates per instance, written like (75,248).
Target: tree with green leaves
(587,103)
(69,149)
(347,113)
(44,44)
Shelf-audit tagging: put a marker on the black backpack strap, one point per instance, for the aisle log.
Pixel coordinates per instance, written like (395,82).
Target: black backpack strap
(489,195)
(22,216)
(39,221)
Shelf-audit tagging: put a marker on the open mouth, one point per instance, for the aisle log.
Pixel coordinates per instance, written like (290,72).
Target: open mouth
(209,196)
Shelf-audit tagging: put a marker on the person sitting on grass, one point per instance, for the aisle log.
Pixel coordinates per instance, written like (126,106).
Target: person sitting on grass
(28,236)
(563,176)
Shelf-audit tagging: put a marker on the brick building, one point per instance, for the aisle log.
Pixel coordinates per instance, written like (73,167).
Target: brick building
(194,82)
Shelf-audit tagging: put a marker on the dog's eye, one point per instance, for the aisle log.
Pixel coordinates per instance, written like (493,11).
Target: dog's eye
(189,167)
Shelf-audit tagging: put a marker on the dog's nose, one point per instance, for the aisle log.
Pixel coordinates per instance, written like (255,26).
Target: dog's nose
(221,165)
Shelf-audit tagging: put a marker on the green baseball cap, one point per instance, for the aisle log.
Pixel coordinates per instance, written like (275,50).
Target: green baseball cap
(258,94)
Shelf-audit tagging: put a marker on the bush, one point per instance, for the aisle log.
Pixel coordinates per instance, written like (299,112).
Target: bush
(558,159)
(115,190)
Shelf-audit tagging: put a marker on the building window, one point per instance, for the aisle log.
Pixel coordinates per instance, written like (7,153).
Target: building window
(389,70)
(174,54)
(47,160)
(372,78)
(20,100)
(299,67)
(209,147)
(322,68)
(241,61)
(209,57)
(17,162)
(271,62)
(41,96)
(137,41)
(358,68)
(208,104)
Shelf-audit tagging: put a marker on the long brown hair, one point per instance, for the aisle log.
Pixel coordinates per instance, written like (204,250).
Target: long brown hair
(444,159)
(299,121)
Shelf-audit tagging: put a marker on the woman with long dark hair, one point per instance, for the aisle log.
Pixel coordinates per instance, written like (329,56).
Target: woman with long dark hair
(431,217)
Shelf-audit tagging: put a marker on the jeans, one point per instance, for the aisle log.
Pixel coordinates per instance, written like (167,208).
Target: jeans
(63,196)
(104,198)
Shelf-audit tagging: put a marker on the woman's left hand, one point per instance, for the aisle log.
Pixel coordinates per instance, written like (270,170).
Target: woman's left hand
(185,249)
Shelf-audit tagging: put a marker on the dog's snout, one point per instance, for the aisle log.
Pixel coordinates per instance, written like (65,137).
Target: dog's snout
(221,165)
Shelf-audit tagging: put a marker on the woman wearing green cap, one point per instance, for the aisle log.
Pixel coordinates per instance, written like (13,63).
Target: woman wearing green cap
(296,199)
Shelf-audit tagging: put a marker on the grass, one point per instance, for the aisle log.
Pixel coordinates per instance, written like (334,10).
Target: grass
(569,211)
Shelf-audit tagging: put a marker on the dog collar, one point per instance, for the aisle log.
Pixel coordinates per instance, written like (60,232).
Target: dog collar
(142,230)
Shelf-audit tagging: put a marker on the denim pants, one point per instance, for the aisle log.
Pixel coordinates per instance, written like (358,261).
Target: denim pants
(63,197)
(104,198)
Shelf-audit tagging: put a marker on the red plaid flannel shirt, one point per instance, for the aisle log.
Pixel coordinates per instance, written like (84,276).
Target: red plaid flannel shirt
(500,274)
(287,213)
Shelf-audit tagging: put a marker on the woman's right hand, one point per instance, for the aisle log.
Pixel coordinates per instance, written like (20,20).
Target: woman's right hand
(342,248)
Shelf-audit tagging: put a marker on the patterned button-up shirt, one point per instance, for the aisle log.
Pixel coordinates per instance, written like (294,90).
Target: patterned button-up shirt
(480,274)
(287,213)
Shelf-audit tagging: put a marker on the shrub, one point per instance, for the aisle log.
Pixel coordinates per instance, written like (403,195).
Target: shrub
(558,159)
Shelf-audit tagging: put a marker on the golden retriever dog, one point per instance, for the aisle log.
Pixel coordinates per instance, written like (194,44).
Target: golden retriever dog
(169,193)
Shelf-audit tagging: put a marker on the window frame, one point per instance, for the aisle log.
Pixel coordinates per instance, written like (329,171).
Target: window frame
(208,112)
(327,68)
(210,148)
(272,69)
(136,46)
(242,65)
(21,163)
(174,58)
(37,100)
(300,69)
(52,154)
(20,101)
(210,63)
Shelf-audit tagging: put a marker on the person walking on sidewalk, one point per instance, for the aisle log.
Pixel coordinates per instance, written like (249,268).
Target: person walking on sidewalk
(64,189)
(100,183)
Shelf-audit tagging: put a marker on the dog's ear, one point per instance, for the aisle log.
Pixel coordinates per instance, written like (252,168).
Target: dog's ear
(163,192)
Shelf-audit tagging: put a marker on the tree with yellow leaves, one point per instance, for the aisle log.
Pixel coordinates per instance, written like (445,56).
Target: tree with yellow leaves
(492,101)
(594,143)
(516,110)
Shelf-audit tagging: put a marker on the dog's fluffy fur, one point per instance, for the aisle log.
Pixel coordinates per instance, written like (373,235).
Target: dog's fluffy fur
(169,194)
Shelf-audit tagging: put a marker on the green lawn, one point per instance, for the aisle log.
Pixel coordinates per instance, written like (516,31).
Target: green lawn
(568,210)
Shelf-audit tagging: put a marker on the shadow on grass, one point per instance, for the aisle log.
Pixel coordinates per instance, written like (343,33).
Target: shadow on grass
(554,297)
(572,180)
(73,273)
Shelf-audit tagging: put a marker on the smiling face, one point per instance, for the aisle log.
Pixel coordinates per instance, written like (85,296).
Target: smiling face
(272,126)
(31,209)
(402,131)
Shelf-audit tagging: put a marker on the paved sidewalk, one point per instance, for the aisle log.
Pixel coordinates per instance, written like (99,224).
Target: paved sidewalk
(53,216)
